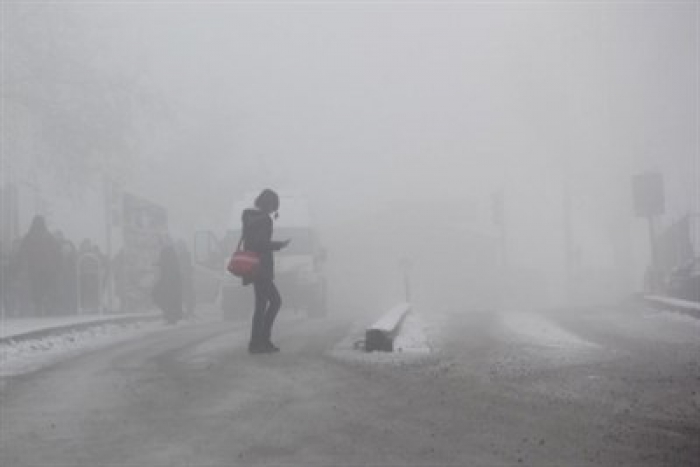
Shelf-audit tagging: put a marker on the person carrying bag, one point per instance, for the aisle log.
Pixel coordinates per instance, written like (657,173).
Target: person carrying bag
(244,264)
(256,260)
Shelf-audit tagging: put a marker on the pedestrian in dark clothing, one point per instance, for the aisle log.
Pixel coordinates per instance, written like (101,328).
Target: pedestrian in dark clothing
(187,271)
(257,237)
(40,258)
(167,291)
(67,277)
(15,294)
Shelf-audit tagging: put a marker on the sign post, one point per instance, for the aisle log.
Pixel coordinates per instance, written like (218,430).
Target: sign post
(406,264)
(648,190)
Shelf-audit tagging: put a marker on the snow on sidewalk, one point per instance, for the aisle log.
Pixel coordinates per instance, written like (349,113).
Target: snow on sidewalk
(10,327)
(42,342)
(535,329)
(30,355)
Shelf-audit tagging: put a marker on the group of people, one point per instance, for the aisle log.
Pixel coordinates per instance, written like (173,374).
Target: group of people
(41,273)
(44,274)
(173,291)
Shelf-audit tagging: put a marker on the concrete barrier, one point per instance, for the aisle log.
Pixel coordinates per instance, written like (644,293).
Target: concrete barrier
(380,336)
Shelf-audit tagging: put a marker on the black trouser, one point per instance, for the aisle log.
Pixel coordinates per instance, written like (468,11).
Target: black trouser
(267,304)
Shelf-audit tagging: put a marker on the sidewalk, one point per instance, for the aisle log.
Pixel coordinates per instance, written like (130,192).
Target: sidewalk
(15,329)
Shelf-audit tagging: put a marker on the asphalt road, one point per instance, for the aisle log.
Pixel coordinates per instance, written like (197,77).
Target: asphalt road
(597,387)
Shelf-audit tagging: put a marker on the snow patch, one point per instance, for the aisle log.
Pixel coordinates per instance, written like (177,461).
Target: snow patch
(27,356)
(17,326)
(413,337)
(535,329)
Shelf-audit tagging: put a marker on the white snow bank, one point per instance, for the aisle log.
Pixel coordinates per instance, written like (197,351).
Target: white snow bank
(413,337)
(535,329)
(15,326)
(31,355)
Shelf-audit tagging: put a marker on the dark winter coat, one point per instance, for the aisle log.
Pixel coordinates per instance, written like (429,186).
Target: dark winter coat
(40,253)
(68,276)
(257,237)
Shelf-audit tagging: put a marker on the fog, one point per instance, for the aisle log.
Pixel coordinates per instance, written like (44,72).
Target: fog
(398,120)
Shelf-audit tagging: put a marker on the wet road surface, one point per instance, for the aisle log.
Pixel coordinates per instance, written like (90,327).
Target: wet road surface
(595,387)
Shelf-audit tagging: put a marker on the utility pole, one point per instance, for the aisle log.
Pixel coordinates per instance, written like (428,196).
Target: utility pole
(499,219)
(649,202)
(652,246)
(108,197)
(568,235)
(406,265)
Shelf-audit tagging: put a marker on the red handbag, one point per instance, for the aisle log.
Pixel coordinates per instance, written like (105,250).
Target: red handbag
(244,264)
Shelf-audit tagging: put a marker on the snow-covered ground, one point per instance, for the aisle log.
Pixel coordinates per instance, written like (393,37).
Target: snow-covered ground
(18,326)
(413,338)
(534,329)
(27,356)
(594,339)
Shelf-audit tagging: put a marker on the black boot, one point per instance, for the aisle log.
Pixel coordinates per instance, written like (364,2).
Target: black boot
(257,347)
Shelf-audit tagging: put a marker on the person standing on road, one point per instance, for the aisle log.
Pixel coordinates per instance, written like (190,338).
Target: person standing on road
(67,275)
(187,272)
(257,237)
(167,291)
(15,296)
(40,256)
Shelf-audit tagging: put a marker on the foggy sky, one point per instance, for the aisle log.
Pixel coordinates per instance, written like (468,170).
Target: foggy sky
(428,96)
(372,108)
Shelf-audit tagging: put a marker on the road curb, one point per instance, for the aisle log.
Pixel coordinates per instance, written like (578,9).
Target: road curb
(80,326)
